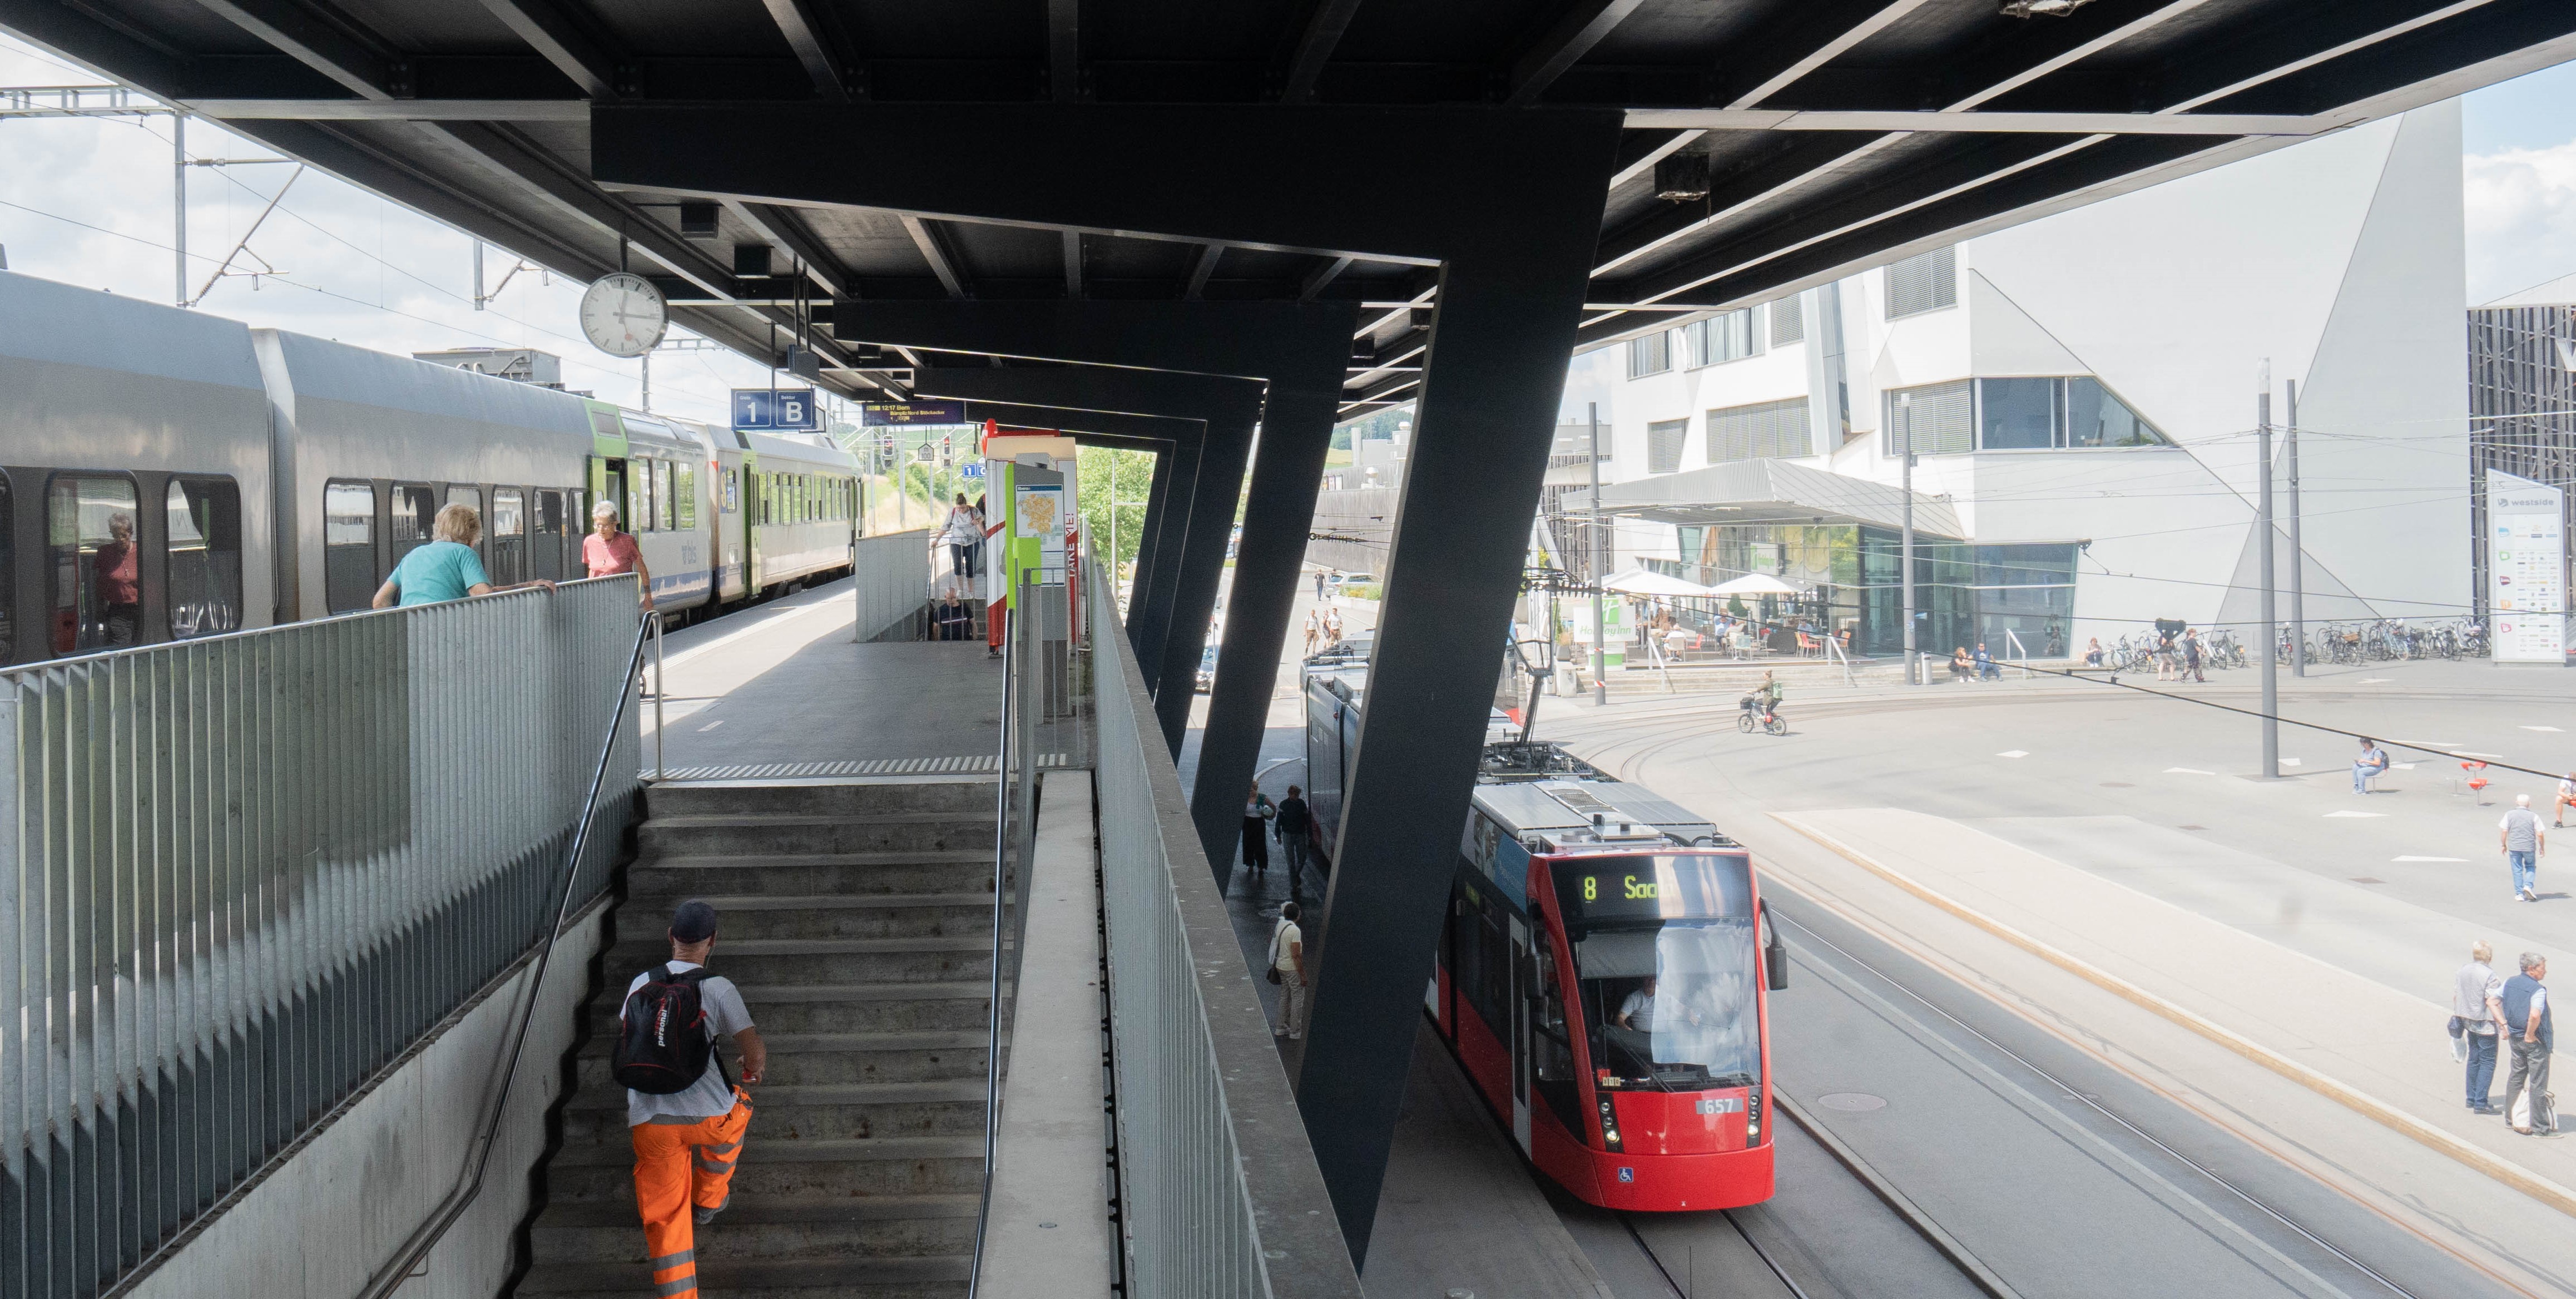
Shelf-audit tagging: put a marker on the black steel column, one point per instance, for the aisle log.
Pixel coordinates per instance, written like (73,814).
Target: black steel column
(1213,496)
(1296,431)
(1493,377)
(1148,539)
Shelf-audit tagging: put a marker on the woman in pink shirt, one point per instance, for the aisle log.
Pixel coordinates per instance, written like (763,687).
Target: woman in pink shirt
(607,552)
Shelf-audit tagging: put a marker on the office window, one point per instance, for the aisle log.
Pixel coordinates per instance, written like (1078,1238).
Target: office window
(2018,414)
(1763,431)
(1664,445)
(349,543)
(1652,354)
(1942,419)
(1788,320)
(204,556)
(684,489)
(1923,282)
(2095,418)
(1730,337)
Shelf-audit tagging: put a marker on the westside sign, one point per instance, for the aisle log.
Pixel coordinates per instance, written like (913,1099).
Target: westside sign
(775,408)
(2527,569)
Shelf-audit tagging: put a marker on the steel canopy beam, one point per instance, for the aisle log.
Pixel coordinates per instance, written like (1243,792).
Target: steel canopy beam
(550,31)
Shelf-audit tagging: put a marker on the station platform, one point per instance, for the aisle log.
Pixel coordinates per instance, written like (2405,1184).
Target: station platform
(784,691)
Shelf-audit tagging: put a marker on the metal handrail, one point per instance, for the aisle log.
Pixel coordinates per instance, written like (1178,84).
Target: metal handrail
(1001,856)
(458,1200)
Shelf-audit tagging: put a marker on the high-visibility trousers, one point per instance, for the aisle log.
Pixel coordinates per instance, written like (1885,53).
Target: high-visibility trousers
(681,1165)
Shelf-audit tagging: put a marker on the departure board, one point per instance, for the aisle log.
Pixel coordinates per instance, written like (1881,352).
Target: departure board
(1652,886)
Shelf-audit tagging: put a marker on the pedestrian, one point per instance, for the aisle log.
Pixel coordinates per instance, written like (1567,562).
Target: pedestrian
(1288,970)
(2191,654)
(1312,629)
(1293,822)
(1962,668)
(975,553)
(2566,796)
(2522,1007)
(2474,1021)
(2525,843)
(1319,586)
(2165,660)
(1986,669)
(607,552)
(2092,651)
(2371,762)
(962,532)
(1332,627)
(1257,811)
(689,1138)
(116,566)
(447,568)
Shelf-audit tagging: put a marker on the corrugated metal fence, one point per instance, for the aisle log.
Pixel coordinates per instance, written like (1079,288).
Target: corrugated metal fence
(1221,1198)
(892,574)
(241,875)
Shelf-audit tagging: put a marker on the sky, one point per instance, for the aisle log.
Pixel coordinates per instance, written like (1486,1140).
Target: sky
(87,201)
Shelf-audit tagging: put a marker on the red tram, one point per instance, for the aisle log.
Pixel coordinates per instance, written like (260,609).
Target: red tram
(1603,977)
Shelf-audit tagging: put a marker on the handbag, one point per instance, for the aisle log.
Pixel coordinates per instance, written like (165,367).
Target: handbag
(2458,1030)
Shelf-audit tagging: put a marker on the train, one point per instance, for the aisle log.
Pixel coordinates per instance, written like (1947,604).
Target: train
(1603,975)
(261,477)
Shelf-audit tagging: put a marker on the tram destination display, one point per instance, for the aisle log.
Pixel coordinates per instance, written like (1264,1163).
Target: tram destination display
(1665,886)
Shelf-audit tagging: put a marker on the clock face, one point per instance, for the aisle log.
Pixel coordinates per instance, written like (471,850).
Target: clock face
(623,314)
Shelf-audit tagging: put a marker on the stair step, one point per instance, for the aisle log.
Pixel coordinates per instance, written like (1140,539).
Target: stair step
(898,1227)
(808,1112)
(927,958)
(861,1059)
(806,873)
(848,1008)
(968,793)
(604,1172)
(870,1278)
(836,915)
(881,832)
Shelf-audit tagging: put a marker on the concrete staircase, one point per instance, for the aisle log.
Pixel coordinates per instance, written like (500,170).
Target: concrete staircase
(856,917)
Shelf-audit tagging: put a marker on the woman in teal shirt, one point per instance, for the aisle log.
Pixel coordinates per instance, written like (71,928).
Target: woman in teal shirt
(447,568)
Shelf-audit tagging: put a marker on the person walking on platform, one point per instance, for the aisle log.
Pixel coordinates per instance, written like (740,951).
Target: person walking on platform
(447,568)
(1294,821)
(963,531)
(2524,843)
(1319,585)
(687,1119)
(2191,656)
(607,552)
(2474,1022)
(1257,811)
(1313,629)
(2523,1006)
(1288,970)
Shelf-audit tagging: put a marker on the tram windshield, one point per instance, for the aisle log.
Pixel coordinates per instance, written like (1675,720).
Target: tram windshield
(1666,958)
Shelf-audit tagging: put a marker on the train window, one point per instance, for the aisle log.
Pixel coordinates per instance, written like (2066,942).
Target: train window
(472,499)
(509,533)
(665,499)
(8,577)
(546,551)
(349,544)
(204,557)
(684,487)
(415,510)
(732,503)
(97,572)
(1552,1044)
(645,516)
(767,489)
(1492,989)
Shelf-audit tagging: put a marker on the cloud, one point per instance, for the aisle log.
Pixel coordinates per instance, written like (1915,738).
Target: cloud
(2521,209)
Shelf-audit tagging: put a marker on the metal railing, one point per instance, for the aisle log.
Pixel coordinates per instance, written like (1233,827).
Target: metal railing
(1220,1195)
(245,874)
(890,581)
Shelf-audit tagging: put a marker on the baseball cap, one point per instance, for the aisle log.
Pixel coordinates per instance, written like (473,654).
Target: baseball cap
(694,922)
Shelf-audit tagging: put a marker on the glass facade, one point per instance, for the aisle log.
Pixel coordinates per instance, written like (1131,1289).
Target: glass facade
(1965,593)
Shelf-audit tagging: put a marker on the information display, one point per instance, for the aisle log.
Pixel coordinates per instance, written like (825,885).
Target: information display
(1664,886)
(2527,569)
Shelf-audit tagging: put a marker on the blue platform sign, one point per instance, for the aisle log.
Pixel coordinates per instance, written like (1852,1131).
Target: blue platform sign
(792,409)
(971,469)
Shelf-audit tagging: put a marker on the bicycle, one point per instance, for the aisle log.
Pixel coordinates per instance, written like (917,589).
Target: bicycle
(1750,714)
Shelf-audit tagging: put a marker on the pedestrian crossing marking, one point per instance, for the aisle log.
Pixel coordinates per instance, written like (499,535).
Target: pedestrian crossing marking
(2462,860)
(965,765)
(2014,753)
(2540,728)
(2188,771)
(2350,812)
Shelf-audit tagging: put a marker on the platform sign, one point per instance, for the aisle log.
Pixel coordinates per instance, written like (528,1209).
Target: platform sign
(776,409)
(2527,569)
(971,469)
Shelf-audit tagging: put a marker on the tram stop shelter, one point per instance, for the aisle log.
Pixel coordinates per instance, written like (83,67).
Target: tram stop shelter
(1170,225)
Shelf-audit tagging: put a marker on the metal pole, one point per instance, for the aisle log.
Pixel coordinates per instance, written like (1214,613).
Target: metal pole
(179,207)
(479,299)
(647,401)
(1113,519)
(1905,565)
(1600,649)
(2298,552)
(2271,628)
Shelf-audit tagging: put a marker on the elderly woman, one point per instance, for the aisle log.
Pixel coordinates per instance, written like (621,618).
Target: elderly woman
(607,552)
(446,568)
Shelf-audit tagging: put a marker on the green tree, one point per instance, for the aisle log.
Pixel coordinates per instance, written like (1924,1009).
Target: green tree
(1133,472)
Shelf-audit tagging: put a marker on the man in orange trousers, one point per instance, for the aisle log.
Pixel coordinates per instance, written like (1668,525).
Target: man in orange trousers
(686,1143)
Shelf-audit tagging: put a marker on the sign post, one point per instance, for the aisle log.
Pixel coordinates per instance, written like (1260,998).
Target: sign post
(2527,569)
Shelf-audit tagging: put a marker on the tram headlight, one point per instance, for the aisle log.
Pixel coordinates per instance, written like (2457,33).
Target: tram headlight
(1609,1124)
(1753,1116)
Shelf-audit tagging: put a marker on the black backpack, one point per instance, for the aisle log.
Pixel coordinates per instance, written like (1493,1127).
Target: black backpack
(664,1045)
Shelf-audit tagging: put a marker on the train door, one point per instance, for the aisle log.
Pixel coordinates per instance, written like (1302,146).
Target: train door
(755,512)
(608,483)
(1518,1011)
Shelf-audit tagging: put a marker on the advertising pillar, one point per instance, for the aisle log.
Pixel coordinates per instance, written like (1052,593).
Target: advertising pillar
(2527,569)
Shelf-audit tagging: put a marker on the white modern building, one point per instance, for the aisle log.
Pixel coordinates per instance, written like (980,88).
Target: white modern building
(2082,396)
